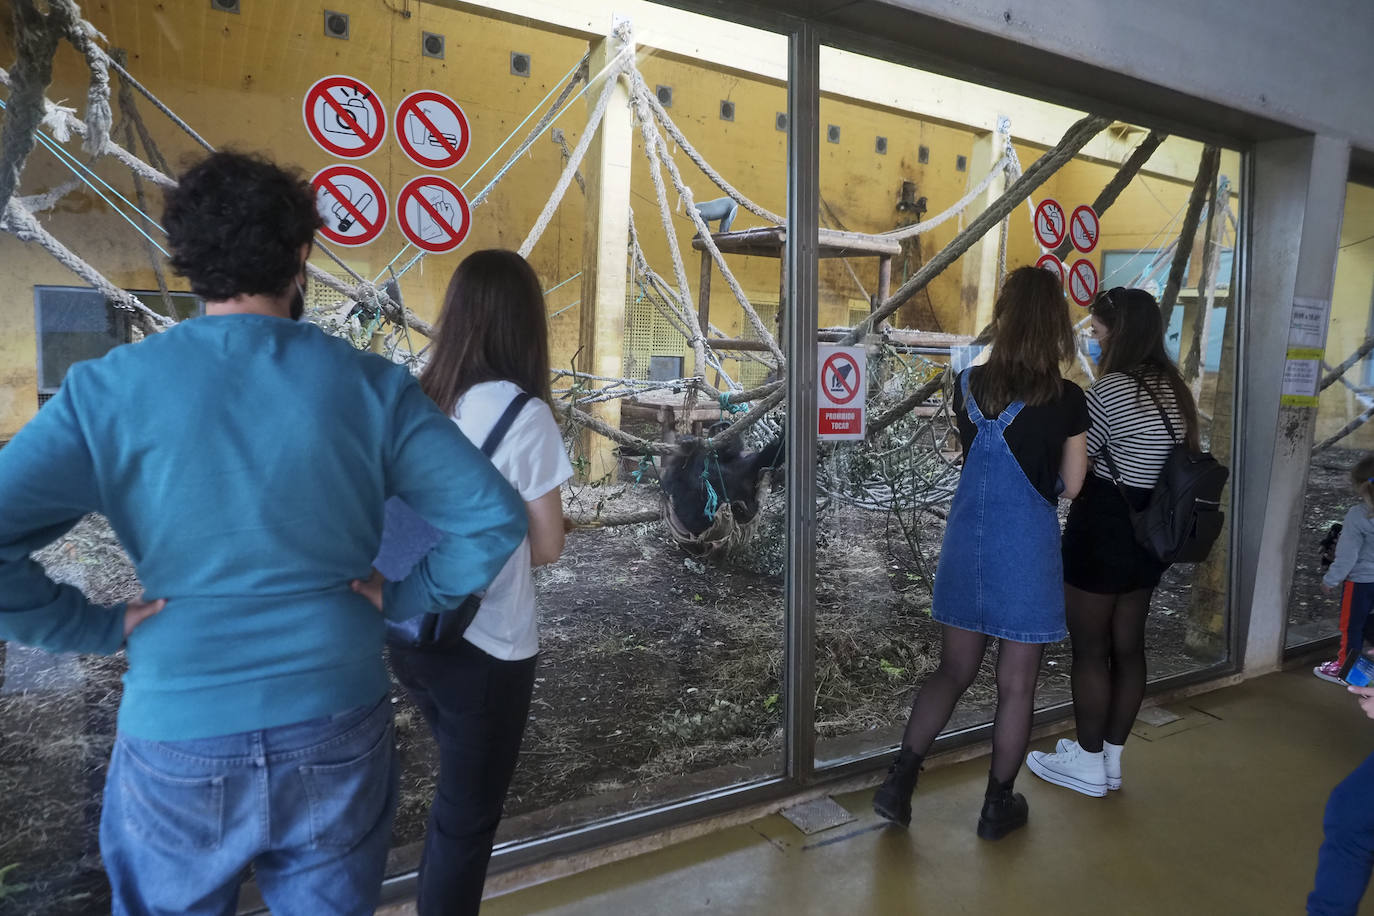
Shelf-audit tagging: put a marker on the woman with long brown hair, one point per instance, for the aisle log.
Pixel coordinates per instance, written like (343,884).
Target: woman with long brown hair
(1141,408)
(489,370)
(1022,427)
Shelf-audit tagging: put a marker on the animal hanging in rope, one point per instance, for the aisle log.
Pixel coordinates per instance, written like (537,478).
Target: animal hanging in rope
(712,495)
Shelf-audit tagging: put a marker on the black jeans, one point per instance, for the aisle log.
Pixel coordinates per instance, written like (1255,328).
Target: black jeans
(476,706)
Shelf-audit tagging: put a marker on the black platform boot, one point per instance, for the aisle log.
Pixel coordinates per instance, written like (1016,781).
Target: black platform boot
(892,801)
(1003,810)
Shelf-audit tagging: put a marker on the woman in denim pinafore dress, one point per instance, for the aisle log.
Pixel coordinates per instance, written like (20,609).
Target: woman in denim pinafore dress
(1000,575)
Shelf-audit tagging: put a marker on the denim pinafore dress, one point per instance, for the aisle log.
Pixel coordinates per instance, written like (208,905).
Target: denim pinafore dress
(1000,570)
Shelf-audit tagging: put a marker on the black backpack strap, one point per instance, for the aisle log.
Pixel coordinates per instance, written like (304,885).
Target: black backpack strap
(503,425)
(1159,405)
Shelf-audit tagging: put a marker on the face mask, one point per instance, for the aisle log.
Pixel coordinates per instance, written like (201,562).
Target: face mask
(1094,348)
(298,302)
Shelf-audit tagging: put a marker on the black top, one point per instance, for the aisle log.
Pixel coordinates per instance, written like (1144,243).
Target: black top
(1036,437)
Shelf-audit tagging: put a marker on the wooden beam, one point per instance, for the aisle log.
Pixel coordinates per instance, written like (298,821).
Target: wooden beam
(1206,174)
(1129,169)
(1039,172)
(601,329)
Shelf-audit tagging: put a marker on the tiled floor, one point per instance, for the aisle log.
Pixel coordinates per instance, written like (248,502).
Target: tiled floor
(1221,814)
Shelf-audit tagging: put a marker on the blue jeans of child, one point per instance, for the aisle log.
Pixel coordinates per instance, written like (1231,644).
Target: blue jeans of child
(1347,853)
(309,805)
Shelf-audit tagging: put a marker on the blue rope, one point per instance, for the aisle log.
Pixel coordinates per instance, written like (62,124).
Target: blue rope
(645,462)
(76,167)
(727,407)
(712,500)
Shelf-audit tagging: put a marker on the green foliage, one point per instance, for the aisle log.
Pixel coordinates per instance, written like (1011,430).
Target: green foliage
(6,889)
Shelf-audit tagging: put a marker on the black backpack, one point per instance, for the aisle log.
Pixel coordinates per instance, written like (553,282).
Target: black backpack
(1183,518)
(406,537)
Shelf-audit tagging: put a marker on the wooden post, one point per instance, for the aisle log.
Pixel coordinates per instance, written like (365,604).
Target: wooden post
(1074,139)
(978,292)
(704,302)
(1206,174)
(601,333)
(1211,579)
(1193,314)
(1120,180)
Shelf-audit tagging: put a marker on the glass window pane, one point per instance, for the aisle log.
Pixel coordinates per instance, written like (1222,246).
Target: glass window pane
(887,499)
(661,643)
(1343,435)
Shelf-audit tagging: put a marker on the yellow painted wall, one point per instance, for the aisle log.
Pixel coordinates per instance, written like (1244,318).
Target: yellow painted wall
(239,79)
(1350,316)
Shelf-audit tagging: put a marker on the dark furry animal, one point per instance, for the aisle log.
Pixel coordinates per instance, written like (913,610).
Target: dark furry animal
(734,475)
(1328,546)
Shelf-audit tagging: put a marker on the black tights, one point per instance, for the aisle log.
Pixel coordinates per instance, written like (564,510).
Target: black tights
(961,655)
(1108,633)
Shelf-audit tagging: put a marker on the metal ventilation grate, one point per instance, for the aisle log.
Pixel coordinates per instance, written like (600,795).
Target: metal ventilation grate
(647,334)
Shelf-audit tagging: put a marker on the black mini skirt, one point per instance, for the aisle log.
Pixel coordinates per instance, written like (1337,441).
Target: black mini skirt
(1101,554)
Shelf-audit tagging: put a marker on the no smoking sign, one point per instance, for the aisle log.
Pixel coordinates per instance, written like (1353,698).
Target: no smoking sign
(352,204)
(841,392)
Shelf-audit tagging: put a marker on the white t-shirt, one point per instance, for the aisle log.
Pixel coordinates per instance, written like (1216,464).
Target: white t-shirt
(531,457)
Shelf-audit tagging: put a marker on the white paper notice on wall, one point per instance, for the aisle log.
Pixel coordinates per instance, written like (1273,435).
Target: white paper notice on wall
(1307,328)
(1302,374)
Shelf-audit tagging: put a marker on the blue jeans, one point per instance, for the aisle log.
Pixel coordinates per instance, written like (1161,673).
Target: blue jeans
(309,805)
(1347,853)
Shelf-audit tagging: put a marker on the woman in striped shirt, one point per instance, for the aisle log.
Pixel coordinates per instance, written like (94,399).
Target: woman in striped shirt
(1108,576)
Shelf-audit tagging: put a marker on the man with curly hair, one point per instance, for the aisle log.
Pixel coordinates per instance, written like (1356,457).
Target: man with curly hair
(244,458)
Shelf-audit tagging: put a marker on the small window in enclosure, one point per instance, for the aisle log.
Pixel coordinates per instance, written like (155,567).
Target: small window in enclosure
(923,154)
(76,323)
(961,163)
(665,368)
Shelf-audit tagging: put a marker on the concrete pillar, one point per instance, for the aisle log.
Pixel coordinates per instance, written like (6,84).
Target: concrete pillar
(601,334)
(978,291)
(1298,195)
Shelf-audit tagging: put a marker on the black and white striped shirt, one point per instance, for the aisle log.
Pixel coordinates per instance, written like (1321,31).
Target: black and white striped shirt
(1127,419)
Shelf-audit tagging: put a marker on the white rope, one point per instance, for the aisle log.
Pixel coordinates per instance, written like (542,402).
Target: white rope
(65,123)
(40,203)
(25,226)
(653,145)
(583,142)
(651,141)
(960,206)
(661,115)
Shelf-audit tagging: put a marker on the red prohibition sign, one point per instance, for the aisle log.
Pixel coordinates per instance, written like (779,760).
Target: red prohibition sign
(1052,263)
(432,129)
(344,116)
(433,214)
(1050,224)
(352,204)
(847,383)
(1083,282)
(1084,229)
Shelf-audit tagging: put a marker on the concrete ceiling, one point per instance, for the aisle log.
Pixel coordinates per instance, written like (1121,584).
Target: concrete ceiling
(884,29)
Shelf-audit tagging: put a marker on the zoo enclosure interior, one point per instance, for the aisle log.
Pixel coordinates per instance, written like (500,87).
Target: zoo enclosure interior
(1343,435)
(663,671)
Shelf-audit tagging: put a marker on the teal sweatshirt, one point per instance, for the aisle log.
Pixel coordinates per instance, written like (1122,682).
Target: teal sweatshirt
(243,461)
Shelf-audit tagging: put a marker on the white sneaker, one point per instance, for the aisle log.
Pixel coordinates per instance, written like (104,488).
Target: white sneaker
(1111,757)
(1071,767)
